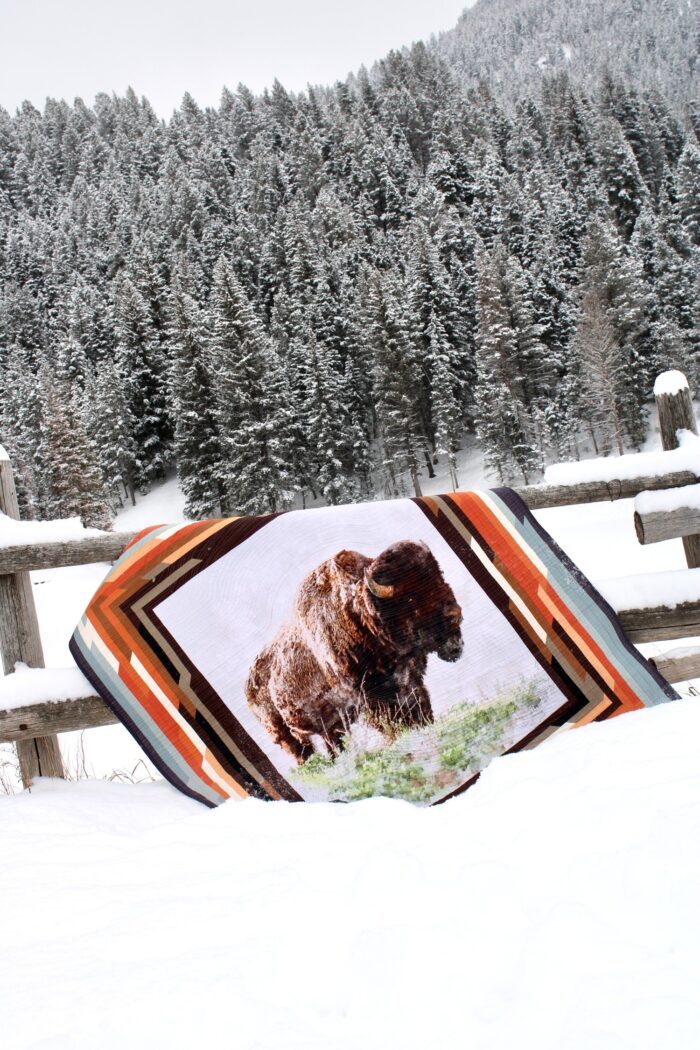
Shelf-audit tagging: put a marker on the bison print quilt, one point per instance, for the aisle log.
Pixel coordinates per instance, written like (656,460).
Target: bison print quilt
(379,649)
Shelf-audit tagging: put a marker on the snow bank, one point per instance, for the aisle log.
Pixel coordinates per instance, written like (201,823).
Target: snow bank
(15,533)
(671,382)
(39,685)
(3,455)
(568,875)
(652,589)
(636,465)
(667,500)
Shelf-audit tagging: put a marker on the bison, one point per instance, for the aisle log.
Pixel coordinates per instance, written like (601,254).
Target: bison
(358,642)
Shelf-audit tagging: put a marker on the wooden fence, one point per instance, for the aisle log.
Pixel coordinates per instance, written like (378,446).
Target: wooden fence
(33,728)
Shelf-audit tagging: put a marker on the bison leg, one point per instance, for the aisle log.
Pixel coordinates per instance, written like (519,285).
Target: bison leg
(261,704)
(416,709)
(409,706)
(281,734)
(333,738)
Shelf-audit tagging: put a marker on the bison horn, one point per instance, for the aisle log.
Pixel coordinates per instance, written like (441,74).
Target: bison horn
(380,590)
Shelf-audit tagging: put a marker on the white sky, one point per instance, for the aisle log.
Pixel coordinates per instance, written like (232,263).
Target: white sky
(162,48)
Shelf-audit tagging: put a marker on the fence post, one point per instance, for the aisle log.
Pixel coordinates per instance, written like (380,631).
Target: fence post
(676,413)
(20,641)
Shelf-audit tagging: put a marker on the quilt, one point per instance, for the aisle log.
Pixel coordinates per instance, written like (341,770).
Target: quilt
(390,648)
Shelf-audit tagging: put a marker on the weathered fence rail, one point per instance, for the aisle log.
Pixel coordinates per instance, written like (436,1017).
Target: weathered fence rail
(39,720)
(33,727)
(30,557)
(107,548)
(676,514)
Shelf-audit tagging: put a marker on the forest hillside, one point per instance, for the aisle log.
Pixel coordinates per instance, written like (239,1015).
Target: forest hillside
(319,295)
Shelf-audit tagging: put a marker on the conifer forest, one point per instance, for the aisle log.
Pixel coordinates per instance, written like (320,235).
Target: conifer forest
(321,296)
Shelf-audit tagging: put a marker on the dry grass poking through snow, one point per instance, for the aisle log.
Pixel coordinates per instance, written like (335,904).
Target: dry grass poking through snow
(423,763)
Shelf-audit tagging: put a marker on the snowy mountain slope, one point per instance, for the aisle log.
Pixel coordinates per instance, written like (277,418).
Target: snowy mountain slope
(552,906)
(513,43)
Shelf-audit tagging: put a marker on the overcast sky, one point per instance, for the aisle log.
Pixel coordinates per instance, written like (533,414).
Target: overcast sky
(162,48)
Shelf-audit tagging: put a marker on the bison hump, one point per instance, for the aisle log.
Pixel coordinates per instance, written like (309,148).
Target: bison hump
(352,562)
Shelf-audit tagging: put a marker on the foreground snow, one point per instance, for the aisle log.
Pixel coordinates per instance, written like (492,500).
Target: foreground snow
(552,906)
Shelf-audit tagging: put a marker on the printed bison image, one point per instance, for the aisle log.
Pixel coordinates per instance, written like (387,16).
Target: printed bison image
(358,642)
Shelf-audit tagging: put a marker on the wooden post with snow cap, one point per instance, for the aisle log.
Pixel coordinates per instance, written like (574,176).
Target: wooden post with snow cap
(676,413)
(20,641)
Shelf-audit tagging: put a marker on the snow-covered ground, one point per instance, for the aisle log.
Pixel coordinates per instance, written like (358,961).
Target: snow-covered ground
(552,906)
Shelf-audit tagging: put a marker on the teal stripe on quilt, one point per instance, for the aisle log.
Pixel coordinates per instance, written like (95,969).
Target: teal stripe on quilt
(586,609)
(133,547)
(144,723)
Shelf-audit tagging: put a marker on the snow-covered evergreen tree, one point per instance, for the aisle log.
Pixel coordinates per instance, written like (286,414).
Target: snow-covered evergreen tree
(326,421)
(75,484)
(520,133)
(197,441)
(252,417)
(401,435)
(602,374)
(503,422)
(144,378)
(445,397)
(110,427)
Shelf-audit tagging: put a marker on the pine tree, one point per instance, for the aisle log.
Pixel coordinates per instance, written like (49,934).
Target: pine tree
(76,488)
(110,427)
(688,180)
(445,400)
(620,176)
(197,442)
(252,417)
(615,275)
(602,374)
(139,362)
(21,427)
(395,381)
(503,423)
(430,295)
(325,423)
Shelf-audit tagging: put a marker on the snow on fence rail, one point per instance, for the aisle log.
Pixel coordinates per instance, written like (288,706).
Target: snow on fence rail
(652,608)
(28,555)
(666,515)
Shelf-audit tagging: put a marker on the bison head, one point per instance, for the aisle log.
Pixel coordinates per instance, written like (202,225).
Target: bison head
(416,607)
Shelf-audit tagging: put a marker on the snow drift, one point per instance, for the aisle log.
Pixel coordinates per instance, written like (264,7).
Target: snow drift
(554,905)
